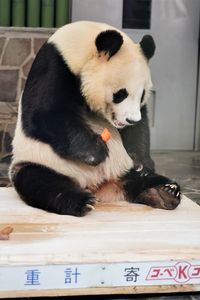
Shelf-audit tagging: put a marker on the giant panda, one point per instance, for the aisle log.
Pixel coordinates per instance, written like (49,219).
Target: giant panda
(88,76)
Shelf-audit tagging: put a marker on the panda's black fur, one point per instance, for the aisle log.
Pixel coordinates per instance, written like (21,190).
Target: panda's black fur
(49,115)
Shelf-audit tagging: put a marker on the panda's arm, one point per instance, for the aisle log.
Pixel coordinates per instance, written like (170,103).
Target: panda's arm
(136,140)
(70,137)
(53,110)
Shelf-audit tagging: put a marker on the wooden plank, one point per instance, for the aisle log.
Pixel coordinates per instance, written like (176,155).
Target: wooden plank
(104,291)
(114,233)
(125,227)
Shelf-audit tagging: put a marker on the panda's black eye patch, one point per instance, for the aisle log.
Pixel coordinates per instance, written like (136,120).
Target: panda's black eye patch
(142,97)
(120,95)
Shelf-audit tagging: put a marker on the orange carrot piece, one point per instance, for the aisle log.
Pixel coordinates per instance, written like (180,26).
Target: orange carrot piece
(105,135)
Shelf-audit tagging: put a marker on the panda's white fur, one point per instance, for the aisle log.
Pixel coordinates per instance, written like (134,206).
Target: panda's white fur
(102,77)
(30,150)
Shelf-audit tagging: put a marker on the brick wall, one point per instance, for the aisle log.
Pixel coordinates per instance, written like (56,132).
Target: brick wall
(18,47)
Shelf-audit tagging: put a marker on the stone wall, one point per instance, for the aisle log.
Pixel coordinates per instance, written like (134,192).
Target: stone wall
(18,47)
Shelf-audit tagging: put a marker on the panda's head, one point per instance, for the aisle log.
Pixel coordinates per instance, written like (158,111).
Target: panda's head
(116,80)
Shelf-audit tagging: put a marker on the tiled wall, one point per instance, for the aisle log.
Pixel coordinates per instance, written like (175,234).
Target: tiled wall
(18,48)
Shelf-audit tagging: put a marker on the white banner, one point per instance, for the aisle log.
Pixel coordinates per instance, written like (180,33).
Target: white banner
(99,275)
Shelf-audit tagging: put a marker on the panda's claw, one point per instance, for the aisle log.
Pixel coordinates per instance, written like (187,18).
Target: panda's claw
(164,188)
(91,207)
(97,200)
(92,201)
(172,188)
(173,192)
(144,173)
(139,168)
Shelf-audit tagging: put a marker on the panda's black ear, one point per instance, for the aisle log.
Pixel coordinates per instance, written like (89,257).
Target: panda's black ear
(148,46)
(109,42)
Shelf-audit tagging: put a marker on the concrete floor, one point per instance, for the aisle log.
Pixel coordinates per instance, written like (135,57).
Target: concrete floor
(183,167)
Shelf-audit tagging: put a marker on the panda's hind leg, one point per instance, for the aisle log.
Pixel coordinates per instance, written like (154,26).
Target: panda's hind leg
(43,188)
(151,189)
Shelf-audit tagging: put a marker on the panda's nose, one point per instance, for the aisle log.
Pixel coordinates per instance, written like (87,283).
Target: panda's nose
(130,121)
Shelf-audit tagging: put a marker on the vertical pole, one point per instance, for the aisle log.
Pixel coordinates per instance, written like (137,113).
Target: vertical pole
(33,13)
(62,12)
(47,13)
(18,13)
(4,12)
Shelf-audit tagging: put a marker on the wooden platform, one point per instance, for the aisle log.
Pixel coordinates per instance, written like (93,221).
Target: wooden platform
(119,248)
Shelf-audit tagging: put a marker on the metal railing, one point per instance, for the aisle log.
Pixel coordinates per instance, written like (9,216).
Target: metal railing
(34,13)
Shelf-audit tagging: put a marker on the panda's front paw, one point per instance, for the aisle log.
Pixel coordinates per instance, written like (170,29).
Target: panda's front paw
(166,196)
(96,152)
(77,204)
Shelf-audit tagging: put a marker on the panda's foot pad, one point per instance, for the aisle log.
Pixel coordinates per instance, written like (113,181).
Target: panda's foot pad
(166,196)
